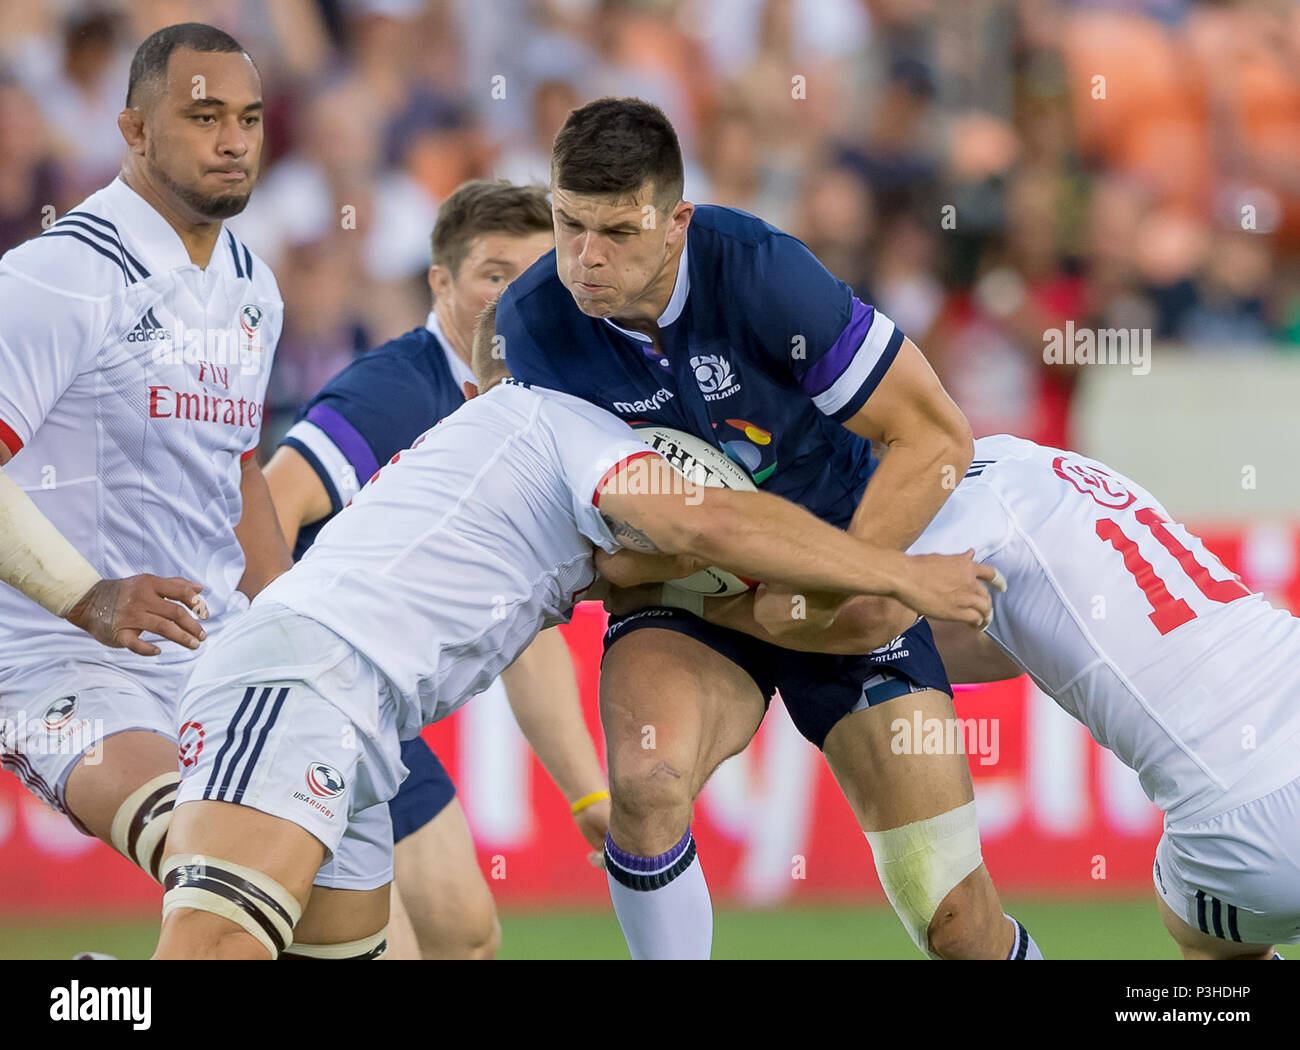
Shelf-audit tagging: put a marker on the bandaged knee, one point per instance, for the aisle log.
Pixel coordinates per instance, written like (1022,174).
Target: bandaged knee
(140,825)
(255,902)
(920,863)
(372,947)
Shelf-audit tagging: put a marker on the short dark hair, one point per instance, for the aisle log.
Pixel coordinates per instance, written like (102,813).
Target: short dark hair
(150,62)
(613,145)
(486,206)
(488,363)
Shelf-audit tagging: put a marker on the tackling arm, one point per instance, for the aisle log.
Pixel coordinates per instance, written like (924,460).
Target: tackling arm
(764,537)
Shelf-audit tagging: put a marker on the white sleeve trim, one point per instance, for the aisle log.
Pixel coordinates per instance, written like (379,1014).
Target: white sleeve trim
(342,476)
(865,359)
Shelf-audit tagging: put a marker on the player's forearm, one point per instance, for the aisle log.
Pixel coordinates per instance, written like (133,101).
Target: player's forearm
(266,555)
(763,537)
(35,558)
(909,486)
(543,693)
(874,622)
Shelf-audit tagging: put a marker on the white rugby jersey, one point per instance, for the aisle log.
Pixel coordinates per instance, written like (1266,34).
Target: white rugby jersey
(1131,624)
(131,384)
(449,561)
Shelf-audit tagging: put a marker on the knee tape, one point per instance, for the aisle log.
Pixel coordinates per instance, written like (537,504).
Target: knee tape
(140,825)
(920,863)
(372,947)
(251,900)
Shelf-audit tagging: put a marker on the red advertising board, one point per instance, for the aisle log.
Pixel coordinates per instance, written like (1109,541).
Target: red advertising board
(1057,813)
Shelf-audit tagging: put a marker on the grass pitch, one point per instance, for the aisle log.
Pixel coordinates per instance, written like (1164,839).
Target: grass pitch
(1065,929)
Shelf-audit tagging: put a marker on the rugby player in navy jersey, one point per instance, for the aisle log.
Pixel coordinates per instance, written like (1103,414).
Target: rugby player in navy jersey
(486,234)
(709,320)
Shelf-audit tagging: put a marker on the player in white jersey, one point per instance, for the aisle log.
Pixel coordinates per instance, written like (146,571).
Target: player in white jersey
(442,569)
(1139,632)
(136,338)
(486,234)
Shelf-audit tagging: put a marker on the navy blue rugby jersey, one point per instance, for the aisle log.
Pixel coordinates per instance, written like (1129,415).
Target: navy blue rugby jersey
(764,353)
(374,408)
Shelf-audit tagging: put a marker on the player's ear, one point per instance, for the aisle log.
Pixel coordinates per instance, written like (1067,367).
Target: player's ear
(470,389)
(130,122)
(439,281)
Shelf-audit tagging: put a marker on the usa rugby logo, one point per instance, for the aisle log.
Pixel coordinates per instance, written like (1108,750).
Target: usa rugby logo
(250,319)
(325,781)
(714,375)
(60,713)
(1094,482)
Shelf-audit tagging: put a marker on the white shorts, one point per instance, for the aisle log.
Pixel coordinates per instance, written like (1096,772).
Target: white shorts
(283,715)
(51,714)
(1237,875)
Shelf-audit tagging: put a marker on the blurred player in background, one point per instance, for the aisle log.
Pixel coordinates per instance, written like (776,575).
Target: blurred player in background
(1139,632)
(486,234)
(432,581)
(136,339)
(711,321)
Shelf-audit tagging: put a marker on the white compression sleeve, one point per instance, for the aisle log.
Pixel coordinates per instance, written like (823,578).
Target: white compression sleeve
(35,558)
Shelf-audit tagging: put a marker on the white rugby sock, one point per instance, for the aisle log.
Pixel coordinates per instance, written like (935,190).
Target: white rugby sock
(1024,946)
(662,902)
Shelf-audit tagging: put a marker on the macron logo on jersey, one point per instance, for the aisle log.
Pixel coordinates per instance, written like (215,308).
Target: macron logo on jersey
(653,403)
(714,375)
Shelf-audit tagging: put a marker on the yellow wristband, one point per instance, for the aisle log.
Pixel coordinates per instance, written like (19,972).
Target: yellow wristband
(588,800)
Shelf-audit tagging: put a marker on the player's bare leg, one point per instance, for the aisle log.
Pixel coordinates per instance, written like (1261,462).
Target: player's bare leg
(339,917)
(106,793)
(402,945)
(888,790)
(1198,946)
(672,709)
(440,894)
(271,862)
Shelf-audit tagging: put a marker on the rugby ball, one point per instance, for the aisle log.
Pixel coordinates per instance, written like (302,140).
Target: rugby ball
(704,465)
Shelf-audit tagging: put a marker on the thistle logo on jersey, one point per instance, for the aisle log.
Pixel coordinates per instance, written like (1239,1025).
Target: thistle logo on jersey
(1094,482)
(714,375)
(325,781)
(60,713)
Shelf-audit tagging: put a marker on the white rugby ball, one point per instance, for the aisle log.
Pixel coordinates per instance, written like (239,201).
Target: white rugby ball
(704,465)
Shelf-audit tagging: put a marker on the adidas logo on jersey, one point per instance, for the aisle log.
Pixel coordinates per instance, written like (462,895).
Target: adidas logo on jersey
(147,330)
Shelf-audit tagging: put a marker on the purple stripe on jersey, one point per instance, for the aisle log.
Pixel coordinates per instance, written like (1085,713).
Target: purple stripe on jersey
(631,862)
(347,438)
(822,375)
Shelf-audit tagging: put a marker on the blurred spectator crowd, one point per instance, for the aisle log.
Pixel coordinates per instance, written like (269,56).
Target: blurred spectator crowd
(982,170)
